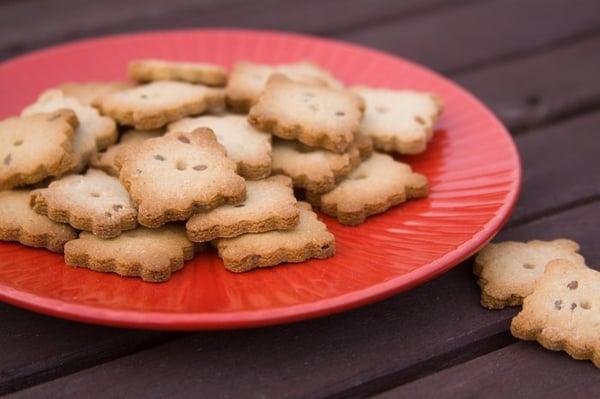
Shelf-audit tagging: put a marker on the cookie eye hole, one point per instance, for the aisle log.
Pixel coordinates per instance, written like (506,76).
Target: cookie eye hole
(528,266)
(419,120)
(239,205)
(200,167)
(17,143)
(181,165)
(573,285)
(143,96)
(359,177)
(585,305)
(381,109)
(159,157)
(183,139)
(95,194)
(340,113)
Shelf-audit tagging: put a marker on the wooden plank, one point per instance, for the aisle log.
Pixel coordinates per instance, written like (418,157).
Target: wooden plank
(522,370)
(71,19)
(357,353)
(467,37)
(534,90)
(37,348)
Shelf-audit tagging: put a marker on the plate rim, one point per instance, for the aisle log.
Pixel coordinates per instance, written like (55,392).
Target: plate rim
(157,320)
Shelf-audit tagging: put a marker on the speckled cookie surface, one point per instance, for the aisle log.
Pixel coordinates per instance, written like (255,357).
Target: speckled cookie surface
(563,312)
(313,169)
(508,271)
(270,205)
(88,92)
(35,147)
(247,80)
(399,120)
(148,70)
(316,116)
(170,178)
(309,239)
(155,104)
(248,147)
(93,202)
(18,222)
(152,254)
(377,184)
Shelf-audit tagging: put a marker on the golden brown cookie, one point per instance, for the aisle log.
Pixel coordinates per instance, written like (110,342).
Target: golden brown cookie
(152,254)
(18,222)
(507,271)
(88,92)
(35,147)
(93,202)
(376,185)
(192,72)
(399,120)
(563,312)
(316,116)
(309,239)
(172,177)
(270,205)
(155,104)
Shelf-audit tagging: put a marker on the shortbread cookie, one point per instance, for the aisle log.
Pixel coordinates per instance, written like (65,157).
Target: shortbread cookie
(172,177)
(18,222)
(191,72)
(316,116)
(376,185)
(93,202)
(507,271)
(106,160)
(35,147)
(95,132)
(247,80)
(399,120)
(312,169)
(88,92)
(248,147)
(155,104)
(309,239)
(563,312)
(270,205)
(152,254)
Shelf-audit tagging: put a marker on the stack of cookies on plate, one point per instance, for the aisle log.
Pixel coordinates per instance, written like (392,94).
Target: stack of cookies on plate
(135,178)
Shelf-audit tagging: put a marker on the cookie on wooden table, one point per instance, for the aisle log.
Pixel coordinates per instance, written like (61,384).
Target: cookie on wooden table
(105,160)
(18,222)
(248,147)
(93,202)
(378,184)
(309,239)
(270,205)
(507,271)
(155,104)
(312,169)
(35,147)
(316,116)
(563,312)
(151,254)
(170,178)
(148,70)
(95,132)
(247,80)
(399,121)
(88,92)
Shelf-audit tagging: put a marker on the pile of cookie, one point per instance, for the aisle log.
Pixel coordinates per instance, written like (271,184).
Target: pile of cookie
(560,295)
(134,178)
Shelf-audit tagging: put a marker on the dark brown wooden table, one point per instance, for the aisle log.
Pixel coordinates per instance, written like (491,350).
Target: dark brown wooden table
(536,63)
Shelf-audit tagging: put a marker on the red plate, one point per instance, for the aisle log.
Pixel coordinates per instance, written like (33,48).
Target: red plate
(472,165)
